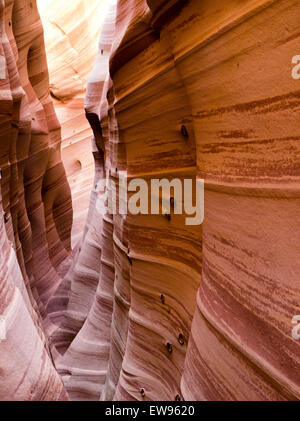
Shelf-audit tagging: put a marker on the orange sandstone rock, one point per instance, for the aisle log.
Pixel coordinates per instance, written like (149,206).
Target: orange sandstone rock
(198,312)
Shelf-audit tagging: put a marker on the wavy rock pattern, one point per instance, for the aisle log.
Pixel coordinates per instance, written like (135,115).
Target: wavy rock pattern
(35,206)
(150,308)
(194,313)
(71,39)
(89,313)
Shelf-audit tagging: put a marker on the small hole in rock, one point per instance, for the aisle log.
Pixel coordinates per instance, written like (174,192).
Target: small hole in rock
(184,131)
(181,339)
(169,347)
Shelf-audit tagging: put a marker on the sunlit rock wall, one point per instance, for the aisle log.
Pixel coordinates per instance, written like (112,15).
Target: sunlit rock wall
(71,38)
(160,310)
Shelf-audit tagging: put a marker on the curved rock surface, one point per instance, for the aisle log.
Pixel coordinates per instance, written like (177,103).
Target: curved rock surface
(36,209)
(71,39)
(195,312)
(148,307)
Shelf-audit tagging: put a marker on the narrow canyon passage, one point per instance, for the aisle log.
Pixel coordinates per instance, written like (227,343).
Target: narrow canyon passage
(110,289)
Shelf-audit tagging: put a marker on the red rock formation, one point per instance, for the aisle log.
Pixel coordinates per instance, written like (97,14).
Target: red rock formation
(71,38)
(36,209)
(89,312)
(223,74)
(153,308)
(245,120)
(47,193)
(27,371)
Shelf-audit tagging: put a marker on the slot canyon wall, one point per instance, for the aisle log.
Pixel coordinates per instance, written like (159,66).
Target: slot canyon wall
(71,40)
(147,307)
(36,210)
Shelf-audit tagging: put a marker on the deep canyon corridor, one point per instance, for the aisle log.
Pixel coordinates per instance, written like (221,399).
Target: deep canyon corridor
(113,287)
